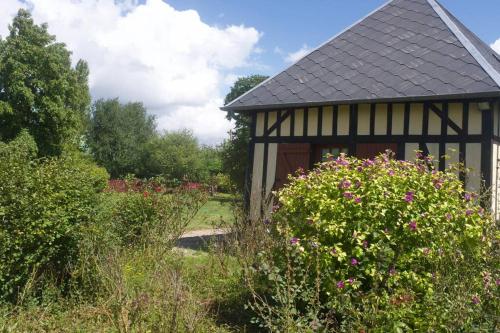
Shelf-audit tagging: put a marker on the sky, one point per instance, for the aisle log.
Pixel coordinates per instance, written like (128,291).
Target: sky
(180,57)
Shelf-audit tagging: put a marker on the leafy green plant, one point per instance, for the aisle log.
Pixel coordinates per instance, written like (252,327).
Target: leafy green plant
(43,203)
(392,239)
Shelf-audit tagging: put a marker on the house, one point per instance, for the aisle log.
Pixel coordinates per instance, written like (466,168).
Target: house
(409,76)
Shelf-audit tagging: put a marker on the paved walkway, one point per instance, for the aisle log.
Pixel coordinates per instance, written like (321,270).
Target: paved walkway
(198,239)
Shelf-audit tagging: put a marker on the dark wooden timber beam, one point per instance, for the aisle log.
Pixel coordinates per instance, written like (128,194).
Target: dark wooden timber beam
(279,120)
(446,119)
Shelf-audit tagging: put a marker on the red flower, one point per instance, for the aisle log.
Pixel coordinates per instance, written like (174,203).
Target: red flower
(145,194)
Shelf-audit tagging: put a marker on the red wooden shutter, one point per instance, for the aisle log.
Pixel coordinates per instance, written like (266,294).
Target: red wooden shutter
(291,157)
(370,150)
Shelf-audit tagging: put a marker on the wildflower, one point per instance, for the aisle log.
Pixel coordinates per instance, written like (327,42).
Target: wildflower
(475,300)
(157,189)
(145,194)
(333,252)
(302,177)
(468,212)
(294,241)
(344,184)
(314,244)
(497,282)
(481,211)
(267,221)
(392,271)
(368,163)
(438,183)
(354,262)
(409,197)
(357,200)
(350,280)
(359,168)
(365,244)
(412,225)
(467,197)
(448,216)
(340,284)
(348,195)
(390,173)
(358,184)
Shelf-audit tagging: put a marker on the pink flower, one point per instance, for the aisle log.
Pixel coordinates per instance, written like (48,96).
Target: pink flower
(359,168)
(357,200)
(344,184)
(340,284)
(348,195)
(333,252)
(475,300)
(390,173)
(294,241)
(412,225)
(350,280)
(365,244)
(409,197)
(468,212)
(367,163)
(448,216)
(392,271)
(467,196)
(354,262)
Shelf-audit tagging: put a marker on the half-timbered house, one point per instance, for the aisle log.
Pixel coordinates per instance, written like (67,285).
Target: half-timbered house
(409,76)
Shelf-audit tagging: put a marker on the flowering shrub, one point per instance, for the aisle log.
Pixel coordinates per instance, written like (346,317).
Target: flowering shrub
(151,209)
(386,234)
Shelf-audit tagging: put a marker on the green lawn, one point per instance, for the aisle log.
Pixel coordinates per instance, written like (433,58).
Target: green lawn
(217,210)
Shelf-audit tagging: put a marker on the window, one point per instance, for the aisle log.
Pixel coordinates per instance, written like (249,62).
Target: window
(325,151)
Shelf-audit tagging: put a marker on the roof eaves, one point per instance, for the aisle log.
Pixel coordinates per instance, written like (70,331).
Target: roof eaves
(471,48)
(315,49)
(493,95)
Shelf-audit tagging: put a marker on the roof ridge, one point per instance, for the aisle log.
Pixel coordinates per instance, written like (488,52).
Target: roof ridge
(466,42)
(313,50)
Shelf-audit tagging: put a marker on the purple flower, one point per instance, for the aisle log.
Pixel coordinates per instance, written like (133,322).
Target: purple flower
(448,216)
(333,252)
(340,284)
(267,221)
(314,244)
(357,200)
(390,173)
(409,197)
(294,241)
(412,225)
(344,184)
(275,208)
(468,212)
(367,163)
(365,244)
(475,300)
(358,184)
(438,184)
(392,271)
(497,282)
(467,196)
(302,177)
(350,280)
(348,195)
(354,262)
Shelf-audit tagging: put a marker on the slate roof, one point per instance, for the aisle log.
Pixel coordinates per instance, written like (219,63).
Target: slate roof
(406,49)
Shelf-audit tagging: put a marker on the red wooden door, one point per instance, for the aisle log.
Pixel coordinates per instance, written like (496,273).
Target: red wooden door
(291,157)
(370,150)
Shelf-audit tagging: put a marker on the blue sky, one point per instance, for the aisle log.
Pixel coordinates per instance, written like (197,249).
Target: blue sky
(180,57)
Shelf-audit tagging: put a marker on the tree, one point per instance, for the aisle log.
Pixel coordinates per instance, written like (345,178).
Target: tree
(176,156)
(39,89)
(119,136)
(235,149)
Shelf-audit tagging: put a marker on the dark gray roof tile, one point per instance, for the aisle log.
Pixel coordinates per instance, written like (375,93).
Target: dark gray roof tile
(407,48)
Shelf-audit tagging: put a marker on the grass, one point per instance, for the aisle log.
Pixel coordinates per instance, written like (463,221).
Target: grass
(217,209)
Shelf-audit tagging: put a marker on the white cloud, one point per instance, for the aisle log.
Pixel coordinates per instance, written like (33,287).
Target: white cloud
(170,60)
(496,46)
(297,55)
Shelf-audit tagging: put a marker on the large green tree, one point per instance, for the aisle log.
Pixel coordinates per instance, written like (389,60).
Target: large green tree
(40,90)
(235,150)
(177,155)
(119,136)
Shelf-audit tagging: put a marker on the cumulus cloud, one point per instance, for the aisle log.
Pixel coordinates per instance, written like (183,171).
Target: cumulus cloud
(297,55)
(496,46)
(169,59)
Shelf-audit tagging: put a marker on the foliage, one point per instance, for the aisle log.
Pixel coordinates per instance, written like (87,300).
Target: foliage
(39,89)
(119,135)
(163,215)
(42,206)
(235,149)
(392,239)
(177,155)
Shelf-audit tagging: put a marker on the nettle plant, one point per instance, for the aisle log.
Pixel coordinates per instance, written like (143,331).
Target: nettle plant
(380,229)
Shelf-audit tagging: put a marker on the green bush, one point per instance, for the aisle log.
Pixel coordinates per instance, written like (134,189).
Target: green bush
(385,245)
(43,202)
(152,210)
